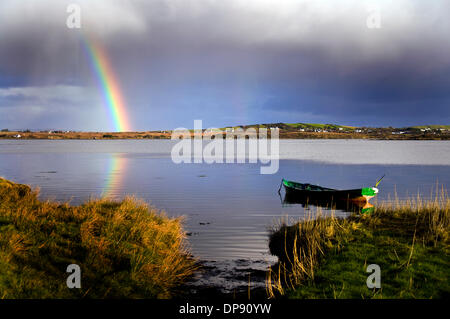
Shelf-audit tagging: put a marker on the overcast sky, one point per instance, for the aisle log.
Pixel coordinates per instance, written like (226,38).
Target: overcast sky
(227,62)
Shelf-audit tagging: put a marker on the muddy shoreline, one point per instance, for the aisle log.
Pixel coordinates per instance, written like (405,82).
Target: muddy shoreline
(235,279)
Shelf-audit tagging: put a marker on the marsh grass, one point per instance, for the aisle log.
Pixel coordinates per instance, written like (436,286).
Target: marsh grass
(327,257)
(125,249)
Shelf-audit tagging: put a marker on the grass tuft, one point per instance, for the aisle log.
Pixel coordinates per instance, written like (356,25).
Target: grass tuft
(124,249)
(327,257)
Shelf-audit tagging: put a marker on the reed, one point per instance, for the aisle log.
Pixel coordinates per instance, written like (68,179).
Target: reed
(299,248)
(326,257)
(125,249)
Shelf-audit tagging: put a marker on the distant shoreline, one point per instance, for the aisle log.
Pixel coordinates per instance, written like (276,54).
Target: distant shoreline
(284,134)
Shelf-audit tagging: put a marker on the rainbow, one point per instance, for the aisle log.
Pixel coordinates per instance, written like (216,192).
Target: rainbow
(108,83)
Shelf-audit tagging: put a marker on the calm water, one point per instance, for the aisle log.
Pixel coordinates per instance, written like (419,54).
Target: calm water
(228,207)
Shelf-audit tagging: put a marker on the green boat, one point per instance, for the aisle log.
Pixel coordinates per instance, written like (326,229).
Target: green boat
(312,193)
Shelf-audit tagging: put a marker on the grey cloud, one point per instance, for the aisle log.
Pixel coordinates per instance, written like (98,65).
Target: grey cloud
(305,57)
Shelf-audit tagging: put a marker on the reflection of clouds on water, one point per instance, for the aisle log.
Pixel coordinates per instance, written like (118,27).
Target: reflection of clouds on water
(240,205)
(367,152)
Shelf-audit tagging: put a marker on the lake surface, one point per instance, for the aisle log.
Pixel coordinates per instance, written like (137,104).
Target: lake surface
(229,208)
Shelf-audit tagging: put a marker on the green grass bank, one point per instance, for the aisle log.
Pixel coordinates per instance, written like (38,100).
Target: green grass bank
(124,249)
(327,257)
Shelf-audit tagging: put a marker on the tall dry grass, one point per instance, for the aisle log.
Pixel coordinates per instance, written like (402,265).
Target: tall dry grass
(431,216)
(125,249)
(301,244)
(299,249)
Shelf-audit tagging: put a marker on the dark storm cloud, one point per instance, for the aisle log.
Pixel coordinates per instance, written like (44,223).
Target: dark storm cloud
(240,61)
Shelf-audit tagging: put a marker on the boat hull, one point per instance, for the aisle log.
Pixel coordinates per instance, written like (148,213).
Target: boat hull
(311,193)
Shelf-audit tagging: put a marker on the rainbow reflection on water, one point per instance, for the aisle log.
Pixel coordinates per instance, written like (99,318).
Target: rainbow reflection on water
(115,177)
